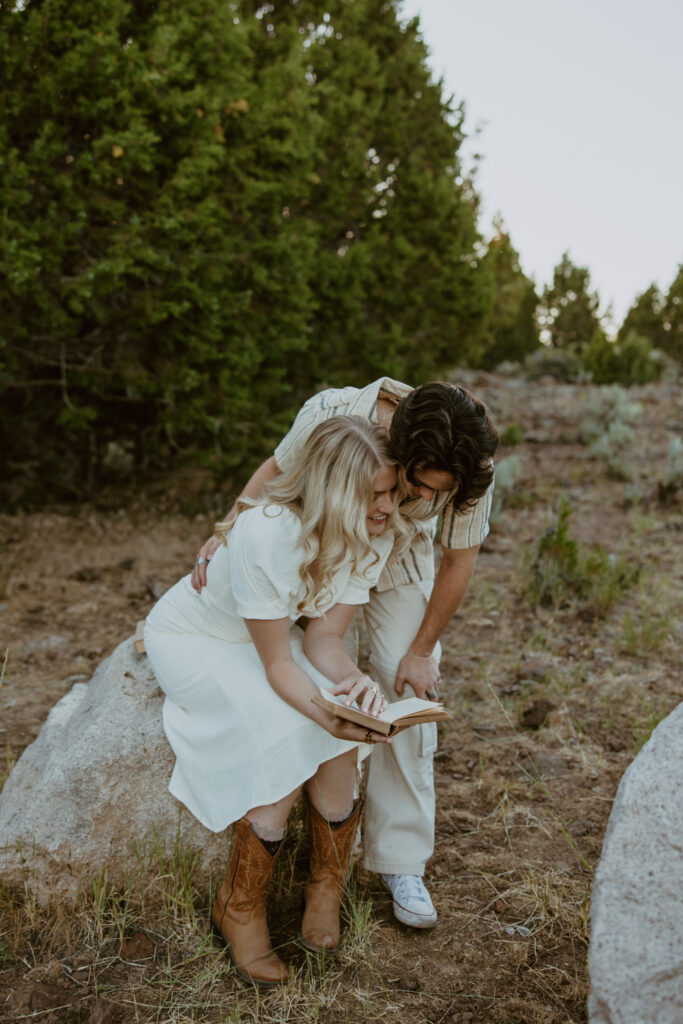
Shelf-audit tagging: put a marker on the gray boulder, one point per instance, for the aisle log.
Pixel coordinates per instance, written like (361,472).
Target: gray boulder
(636,950)
(91,792)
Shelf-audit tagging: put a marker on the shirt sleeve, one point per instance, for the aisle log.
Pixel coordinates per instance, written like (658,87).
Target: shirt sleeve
(357,590)
(468,529)
(315,410)
(264,562)
(306,419)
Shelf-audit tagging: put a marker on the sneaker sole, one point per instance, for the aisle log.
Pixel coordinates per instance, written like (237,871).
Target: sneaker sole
(414,920)
(408,917)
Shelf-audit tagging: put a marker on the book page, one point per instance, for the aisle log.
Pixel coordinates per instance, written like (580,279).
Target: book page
(411,706)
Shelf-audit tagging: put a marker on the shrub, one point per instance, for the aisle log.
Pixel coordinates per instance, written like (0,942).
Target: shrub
(562,364)
(672,481)
(607,428)
(507,473)
(628,362)
(560,574)
(210,213)
(512,434)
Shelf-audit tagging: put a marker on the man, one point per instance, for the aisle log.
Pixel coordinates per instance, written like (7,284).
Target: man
(444,440)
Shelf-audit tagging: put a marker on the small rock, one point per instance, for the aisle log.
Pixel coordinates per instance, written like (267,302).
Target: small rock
(86,575)
(77,677)
(49,644)
(499,906)
(137,947)
(102,1012)
(582,827)
(409,983)
(534,669)
(154,589)
(549,765)
(30,999)
(82,609)
(537,714)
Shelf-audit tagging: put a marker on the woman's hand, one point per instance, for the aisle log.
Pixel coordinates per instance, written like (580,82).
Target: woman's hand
(364,691)
(204,556)
(344,730)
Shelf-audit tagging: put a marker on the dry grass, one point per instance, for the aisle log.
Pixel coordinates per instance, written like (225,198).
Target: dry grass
(521,807)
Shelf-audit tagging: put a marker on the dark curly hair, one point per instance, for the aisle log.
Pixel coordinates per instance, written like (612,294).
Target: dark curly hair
(444,427)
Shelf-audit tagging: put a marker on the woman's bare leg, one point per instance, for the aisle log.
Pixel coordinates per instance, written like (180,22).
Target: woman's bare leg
(331,789)
(270,820)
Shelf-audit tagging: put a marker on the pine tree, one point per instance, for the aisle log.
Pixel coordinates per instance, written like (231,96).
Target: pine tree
(397,280)
(569,309)
(153,285)
(672,317)
(210,210)
(645,317)
(511,331)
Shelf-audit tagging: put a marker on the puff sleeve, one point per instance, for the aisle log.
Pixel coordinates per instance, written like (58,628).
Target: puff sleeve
(264,560)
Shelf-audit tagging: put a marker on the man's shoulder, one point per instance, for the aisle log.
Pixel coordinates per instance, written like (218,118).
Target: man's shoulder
(393,389)
(357,400)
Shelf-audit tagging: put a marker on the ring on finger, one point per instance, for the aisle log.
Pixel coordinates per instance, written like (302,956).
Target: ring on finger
(201,560)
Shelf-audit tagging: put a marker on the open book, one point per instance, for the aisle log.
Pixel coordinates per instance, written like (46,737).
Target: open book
(396,717)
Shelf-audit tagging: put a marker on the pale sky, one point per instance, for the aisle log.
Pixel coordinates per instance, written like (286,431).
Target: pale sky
(580,106)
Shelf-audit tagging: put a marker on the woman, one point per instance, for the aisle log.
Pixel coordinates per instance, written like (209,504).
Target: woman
(239,677)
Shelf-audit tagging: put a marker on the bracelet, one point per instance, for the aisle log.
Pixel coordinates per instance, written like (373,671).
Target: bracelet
(420,657)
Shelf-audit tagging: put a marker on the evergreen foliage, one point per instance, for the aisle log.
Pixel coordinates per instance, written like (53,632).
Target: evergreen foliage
(645,317)
(210,210)
(672,317)
(658,318)
(511,331)
(562,574)
(397,279)
(569,309)
(627,361)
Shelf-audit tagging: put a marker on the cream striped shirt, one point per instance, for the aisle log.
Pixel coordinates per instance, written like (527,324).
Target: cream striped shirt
(458,530)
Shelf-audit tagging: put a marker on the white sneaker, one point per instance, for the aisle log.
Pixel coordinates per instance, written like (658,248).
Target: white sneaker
(412,903)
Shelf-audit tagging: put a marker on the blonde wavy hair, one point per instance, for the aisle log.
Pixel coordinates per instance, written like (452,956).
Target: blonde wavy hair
(329,487)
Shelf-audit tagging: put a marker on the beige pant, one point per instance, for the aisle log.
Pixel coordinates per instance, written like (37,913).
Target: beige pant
(398,830)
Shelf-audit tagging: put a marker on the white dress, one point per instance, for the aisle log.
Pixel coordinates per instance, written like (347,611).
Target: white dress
(237,744)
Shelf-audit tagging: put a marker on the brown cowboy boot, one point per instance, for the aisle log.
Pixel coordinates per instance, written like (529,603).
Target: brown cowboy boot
(330,862)
(239,912)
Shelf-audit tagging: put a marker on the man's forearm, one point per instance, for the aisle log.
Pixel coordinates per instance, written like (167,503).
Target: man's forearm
(450,586)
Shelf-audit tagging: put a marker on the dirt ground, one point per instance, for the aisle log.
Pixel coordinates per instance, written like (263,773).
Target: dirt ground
(550,705)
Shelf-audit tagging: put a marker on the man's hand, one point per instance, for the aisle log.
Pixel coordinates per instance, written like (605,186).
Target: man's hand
(420,673)
(267,471)
(452,579)
(206,551)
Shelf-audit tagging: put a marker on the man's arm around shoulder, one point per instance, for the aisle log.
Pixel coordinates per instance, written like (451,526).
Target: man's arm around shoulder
(253,489)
